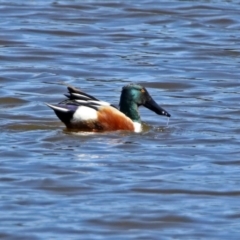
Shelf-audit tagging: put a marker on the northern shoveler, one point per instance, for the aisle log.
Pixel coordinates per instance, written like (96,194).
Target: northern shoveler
(84,112)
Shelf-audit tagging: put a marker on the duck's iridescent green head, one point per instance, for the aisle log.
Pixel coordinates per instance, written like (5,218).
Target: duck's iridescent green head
(133,96)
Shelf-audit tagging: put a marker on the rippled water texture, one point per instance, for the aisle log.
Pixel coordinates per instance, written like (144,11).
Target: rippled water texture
(180,182)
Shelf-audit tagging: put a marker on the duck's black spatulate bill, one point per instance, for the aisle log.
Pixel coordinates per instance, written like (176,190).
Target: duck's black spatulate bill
(152,105)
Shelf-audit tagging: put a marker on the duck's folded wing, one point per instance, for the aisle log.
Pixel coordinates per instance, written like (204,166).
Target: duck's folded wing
(78,96)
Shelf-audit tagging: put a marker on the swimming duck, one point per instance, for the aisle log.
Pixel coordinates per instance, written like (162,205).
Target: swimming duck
(83,112)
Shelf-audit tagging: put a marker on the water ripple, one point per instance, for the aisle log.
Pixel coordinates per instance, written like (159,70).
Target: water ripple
(179,181)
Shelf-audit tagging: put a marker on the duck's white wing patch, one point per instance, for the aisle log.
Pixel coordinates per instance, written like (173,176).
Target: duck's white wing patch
(137,127)
(81,96)
(84,113)
(102,103)
(57,108)
(98,103)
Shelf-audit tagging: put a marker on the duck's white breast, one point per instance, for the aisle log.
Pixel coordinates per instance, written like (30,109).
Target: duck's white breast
(137,127)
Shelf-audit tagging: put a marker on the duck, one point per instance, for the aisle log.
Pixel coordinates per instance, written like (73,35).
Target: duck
(83,112)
